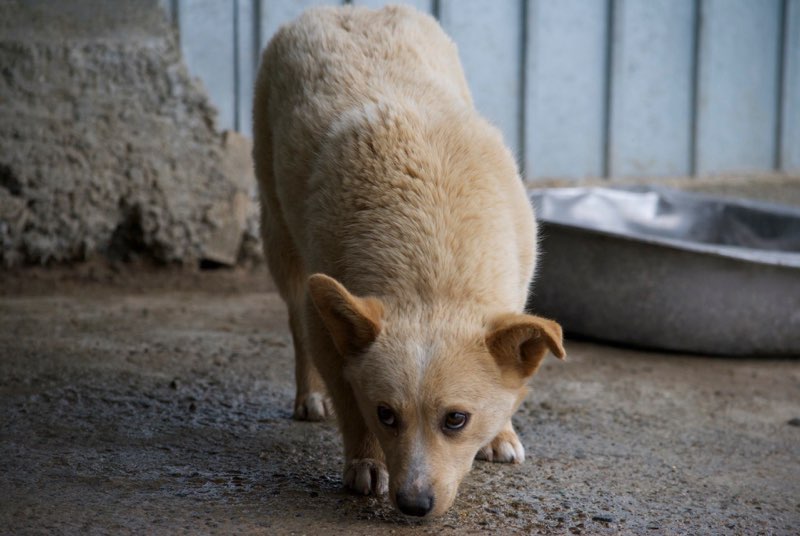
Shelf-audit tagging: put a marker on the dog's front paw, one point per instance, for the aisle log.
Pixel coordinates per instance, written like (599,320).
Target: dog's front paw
(366,476)
(505,448)
(312,406)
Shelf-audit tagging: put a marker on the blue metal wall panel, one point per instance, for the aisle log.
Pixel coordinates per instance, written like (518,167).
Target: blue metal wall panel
(246,57)
(580,88)
(274,13)
(489,39)
(425,6)
(651,88)
(565,88)
(738,85)
(790,124)
(207,42)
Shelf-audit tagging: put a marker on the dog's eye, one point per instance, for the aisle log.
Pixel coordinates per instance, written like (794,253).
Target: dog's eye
(455,420)
(387,416)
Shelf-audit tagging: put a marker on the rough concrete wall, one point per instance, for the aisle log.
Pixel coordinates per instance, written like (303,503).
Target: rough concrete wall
(107,144)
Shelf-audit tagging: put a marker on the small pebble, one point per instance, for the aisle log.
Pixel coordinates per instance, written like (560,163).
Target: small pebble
(603,518)
(794,422)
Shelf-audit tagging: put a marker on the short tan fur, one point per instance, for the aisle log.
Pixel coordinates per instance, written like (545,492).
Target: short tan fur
(399,234)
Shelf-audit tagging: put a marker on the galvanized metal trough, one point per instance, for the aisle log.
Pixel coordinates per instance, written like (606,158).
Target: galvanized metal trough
(666,269)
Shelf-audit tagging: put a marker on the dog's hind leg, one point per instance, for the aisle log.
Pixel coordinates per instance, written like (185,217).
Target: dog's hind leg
(311,402)
(288,271)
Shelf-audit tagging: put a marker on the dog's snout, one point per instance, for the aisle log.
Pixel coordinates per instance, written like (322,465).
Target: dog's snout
(414,504)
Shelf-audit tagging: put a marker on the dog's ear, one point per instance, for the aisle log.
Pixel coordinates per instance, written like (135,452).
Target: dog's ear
(353,322)
(520,342)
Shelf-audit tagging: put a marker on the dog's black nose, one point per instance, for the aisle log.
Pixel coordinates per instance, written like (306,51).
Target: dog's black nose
(414,505)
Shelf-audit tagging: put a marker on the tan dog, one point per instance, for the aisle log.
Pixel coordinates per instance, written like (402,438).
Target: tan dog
(376,171)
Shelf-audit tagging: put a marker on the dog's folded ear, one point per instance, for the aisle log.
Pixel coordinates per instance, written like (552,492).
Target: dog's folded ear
(353,323)
(520,342)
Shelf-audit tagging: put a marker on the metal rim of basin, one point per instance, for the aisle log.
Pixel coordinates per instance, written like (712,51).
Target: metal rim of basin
(662,292)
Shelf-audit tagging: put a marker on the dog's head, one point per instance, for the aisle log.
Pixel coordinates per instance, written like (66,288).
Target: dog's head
(433,394)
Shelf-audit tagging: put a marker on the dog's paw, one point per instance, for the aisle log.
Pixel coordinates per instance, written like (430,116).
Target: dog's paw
(313,406)
(366,476)
(505,448)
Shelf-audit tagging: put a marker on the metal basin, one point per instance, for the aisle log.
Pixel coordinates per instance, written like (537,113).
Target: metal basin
(671,270)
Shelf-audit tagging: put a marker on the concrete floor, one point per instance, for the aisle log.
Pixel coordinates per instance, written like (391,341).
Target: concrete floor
(160,403)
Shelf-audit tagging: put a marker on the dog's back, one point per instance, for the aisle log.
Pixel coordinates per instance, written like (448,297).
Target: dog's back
(377,168)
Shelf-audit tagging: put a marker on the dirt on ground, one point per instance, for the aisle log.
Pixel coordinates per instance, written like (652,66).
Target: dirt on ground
(160,402)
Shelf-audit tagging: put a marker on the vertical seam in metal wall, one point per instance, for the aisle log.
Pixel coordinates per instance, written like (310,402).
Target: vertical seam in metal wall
(783,55)
(523,85)
(256,34)
(694,90)
(607,89)
(237,71)
(175,13)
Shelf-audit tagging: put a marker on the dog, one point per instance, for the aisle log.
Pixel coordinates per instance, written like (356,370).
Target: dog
(398,232)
